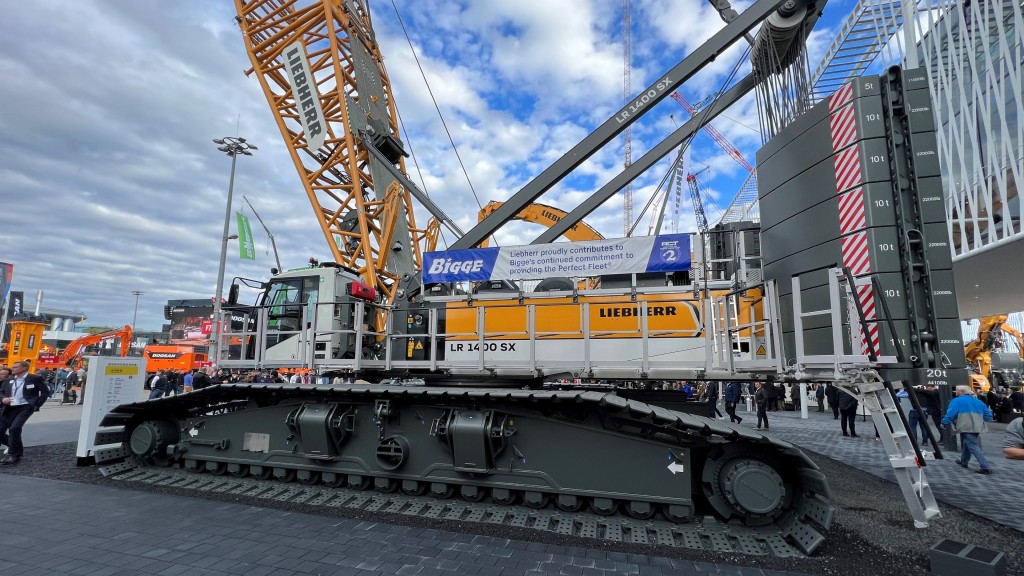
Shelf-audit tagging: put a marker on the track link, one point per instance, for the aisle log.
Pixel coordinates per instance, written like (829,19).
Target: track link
(707,533)
(759,486)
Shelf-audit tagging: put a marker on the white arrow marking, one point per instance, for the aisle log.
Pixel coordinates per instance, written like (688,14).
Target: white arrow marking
(676,468)
(193,432)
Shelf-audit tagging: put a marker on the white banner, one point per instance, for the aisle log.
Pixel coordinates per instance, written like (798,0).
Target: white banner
(665,253)
(110,382)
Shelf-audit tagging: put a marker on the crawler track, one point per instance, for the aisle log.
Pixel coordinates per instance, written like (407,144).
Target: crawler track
(533,459)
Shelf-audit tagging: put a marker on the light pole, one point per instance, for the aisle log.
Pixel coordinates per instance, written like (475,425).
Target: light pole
(136,293)
(232,146)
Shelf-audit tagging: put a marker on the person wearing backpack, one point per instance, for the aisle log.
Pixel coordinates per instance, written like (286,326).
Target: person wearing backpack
(819,395)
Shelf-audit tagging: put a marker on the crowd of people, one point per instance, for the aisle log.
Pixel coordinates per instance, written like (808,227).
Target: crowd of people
(966,415)
(172,382)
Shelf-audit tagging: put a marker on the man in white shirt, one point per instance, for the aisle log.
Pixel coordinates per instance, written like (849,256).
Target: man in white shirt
(20,397)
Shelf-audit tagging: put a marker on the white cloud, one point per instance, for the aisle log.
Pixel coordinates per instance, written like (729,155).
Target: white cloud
(111,184)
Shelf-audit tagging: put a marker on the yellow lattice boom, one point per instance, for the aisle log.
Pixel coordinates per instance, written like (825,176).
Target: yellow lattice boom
(360,208)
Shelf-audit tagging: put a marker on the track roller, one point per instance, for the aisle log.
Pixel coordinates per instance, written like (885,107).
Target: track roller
(357,482)
(284,474)
(570,503)
(536,500)
(442,490)
(640,510)
(261,472)
(332,480)
(238,470)
(504,497)
(414,488)
(472,493)
(604,506)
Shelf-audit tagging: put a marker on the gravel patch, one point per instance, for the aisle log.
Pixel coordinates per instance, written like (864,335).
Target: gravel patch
(872,534)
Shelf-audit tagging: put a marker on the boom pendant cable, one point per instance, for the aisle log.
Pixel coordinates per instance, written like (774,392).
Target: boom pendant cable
(436,107)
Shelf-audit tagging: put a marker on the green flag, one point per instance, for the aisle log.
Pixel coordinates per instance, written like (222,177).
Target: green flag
(246,248)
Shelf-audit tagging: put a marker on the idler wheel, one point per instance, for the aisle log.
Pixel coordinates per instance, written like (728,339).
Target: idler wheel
(739,484)
(149,441)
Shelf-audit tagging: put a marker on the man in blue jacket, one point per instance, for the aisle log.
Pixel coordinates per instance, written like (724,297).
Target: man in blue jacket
(968,415)
(733,394)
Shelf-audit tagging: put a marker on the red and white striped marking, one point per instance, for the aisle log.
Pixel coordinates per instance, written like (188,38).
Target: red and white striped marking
(866,297)
(847,166)
(856,254)
(840,97)
(844,127)
(852,215)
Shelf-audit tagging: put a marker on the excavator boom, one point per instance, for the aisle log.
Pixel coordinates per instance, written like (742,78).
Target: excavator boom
(74,350)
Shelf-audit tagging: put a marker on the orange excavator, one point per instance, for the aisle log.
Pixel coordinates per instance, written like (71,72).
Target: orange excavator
(71,355)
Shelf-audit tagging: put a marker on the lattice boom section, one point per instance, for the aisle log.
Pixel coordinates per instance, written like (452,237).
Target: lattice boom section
(338,177)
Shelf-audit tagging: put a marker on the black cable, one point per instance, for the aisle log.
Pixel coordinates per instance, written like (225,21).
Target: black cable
(436,107)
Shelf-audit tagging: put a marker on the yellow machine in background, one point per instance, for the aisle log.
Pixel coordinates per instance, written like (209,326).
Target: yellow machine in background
(26,342)
(989,365)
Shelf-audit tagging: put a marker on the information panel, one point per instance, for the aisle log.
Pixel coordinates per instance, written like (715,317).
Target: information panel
(110,382)
(665,253)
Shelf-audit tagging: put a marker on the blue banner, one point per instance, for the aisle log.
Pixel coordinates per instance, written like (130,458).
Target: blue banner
(666,253)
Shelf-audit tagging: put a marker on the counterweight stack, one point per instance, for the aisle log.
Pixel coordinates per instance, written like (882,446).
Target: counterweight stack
(858,177)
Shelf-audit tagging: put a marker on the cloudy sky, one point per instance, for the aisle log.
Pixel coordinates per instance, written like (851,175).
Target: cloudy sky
(110,181)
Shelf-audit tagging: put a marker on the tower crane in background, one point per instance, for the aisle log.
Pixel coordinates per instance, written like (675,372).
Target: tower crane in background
(698,204)
(717,136)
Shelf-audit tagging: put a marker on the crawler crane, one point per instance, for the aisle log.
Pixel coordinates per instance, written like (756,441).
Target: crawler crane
(458,361)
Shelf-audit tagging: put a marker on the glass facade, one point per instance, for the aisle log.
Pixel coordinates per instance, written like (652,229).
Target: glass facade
(973,51)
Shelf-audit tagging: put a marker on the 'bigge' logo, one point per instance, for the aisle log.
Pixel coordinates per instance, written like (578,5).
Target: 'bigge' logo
(452,266)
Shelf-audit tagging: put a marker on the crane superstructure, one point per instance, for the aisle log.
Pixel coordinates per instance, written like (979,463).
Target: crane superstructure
(480,417)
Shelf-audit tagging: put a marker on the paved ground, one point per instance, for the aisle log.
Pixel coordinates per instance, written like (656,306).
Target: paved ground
(65,528)
(951,484)
(72,528)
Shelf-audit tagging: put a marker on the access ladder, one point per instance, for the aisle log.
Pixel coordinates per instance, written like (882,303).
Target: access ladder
(869,388)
